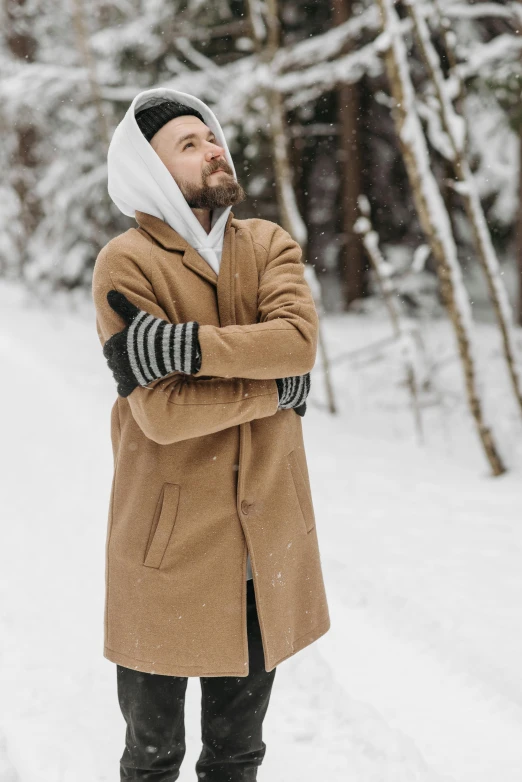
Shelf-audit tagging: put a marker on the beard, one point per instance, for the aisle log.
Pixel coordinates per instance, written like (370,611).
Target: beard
(207,196)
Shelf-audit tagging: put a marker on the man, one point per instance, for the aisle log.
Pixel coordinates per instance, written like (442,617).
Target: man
(210,331)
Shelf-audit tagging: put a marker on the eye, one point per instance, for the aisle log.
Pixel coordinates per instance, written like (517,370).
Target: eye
(188,144)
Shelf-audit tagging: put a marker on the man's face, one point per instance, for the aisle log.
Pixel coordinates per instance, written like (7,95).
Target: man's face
(191,153)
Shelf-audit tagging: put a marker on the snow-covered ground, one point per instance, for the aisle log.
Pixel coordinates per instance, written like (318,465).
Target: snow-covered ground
(419,678)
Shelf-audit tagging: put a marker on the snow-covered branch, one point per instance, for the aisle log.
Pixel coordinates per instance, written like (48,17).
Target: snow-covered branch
(510,11)
(37,84)
(499,51)
(331,44)
(308,84)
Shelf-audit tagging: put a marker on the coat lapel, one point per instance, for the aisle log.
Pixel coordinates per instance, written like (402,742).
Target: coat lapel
(194,261)
(162,233)
(226,283)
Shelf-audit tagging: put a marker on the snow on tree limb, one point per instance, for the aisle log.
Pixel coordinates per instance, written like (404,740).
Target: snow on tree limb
(510,11)
(38,84)
(311,51)
(504,48)
(325,76)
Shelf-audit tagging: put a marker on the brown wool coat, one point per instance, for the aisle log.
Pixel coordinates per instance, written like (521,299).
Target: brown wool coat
(206,465)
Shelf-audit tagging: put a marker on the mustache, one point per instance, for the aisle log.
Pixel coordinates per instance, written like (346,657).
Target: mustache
(217,165)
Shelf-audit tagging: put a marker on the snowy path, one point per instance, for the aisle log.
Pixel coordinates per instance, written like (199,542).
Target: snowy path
(459,726)
(416,682)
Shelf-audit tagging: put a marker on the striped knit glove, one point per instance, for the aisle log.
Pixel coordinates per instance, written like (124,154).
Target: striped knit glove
(148,348)
(293,392)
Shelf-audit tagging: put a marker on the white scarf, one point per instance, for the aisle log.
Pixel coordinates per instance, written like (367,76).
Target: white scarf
(139,181)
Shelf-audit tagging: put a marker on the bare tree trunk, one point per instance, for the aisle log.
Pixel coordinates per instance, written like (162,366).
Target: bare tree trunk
(23,46)
(88,62)
(434,219)
(455,127)
(290,215)
(266,34)
(519,232)
(352,261)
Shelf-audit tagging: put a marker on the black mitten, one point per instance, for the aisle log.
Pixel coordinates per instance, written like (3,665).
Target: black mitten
(293,392)
(148,348)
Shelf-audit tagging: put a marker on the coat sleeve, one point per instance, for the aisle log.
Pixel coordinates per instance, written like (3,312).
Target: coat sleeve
(177,407)
(284,341)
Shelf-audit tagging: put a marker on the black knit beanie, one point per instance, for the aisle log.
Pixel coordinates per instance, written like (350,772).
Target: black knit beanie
(151,119)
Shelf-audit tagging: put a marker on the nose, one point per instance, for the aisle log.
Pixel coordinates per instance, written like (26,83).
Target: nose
(214,151)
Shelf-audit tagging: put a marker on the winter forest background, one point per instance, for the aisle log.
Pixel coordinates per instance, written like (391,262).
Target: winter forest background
(386,137)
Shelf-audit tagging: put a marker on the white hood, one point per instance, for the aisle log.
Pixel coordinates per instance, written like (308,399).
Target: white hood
(139,181)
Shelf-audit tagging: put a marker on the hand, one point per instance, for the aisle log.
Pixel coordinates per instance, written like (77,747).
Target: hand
(293,392)
(148,348)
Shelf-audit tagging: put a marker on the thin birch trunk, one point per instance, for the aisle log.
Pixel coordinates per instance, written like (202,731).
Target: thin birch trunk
(403,333)
(518,238)
(456,130)
(519,230)
(266,34)
(434,219)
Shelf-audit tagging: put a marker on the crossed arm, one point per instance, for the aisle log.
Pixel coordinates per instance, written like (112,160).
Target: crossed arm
(236,382)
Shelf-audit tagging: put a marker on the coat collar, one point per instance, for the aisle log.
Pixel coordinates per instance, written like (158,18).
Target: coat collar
(170,239)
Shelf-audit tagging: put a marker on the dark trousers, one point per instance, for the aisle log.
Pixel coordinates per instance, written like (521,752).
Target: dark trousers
(232,713)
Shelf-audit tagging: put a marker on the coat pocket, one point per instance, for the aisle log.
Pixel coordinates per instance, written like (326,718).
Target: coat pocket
(302,491)
(162,525)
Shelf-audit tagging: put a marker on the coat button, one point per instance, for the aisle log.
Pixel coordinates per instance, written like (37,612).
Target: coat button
(244,507)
